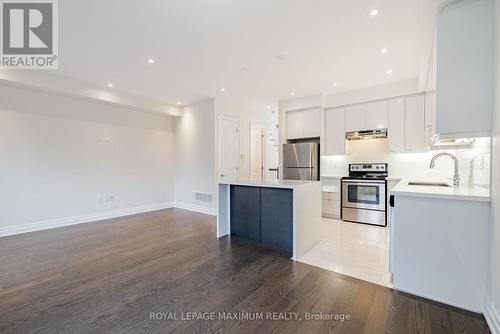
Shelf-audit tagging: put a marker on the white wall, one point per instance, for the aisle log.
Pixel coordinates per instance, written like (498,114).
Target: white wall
(60,155)
(414,164)
(195,155)
(227,107)
(397,88)
(494,272)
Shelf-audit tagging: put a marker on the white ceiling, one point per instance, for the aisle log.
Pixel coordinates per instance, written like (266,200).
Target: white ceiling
(200,46)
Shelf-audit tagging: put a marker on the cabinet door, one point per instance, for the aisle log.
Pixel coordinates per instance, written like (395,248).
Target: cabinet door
(376,115)
(334,131)
(415,124)
(245,212)
(277,218)
(465,69)
(293,125)
(396,125)
(311,122)
(355,117)
(430,118)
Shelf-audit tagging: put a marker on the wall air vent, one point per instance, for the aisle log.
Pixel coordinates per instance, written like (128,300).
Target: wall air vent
(203,197)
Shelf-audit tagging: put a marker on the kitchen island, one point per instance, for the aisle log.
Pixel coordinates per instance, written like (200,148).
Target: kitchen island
(282,214)
(439,241)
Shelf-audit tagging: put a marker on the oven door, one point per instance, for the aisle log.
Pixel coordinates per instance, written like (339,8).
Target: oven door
(361,194)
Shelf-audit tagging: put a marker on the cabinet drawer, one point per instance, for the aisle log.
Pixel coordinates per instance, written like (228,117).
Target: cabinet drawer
(331,196)
(331,207)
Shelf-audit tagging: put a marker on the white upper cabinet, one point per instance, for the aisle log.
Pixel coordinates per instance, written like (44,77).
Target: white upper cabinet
(293,125)
(465,69)
(366,116)
(415,140)
(376,115)
(334,131)
(303,123)
(312,123)
(396,126)
(407,127)
(355,117)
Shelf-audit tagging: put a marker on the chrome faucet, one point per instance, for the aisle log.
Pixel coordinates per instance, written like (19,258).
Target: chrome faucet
(456,178)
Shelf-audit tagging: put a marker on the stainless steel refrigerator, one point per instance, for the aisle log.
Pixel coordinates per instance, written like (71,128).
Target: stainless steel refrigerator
(301,161)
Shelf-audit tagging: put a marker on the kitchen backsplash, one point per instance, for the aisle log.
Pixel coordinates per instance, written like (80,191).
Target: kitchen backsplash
(474,162)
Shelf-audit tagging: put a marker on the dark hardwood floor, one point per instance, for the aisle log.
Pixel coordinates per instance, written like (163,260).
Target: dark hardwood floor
(109,277)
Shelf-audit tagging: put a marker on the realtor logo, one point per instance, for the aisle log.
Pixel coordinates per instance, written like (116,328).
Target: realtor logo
(29,34)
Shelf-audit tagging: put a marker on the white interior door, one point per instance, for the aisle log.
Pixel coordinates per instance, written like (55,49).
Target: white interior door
(229,148)
(257,142)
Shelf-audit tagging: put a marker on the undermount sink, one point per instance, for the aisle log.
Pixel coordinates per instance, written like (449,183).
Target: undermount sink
(428,183)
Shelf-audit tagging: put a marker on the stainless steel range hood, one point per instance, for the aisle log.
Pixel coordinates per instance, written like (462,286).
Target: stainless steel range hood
(366,134)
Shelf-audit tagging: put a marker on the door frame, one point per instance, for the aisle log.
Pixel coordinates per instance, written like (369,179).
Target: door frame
(219,141)
(264,148)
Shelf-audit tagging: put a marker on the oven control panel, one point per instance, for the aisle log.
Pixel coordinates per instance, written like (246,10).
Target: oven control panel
(375,167)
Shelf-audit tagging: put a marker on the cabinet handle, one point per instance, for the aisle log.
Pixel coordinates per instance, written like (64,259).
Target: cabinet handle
(391,201)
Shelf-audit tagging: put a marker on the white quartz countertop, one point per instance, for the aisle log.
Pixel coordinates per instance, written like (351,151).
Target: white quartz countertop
(461,193)
(287,184)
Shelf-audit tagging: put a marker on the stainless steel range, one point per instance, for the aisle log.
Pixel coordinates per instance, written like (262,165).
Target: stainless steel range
(364,194)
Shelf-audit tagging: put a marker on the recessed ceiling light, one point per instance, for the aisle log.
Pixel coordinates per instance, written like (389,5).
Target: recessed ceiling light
(179,103)
(222,89)
(374,12)
(268,107)
(151,60)
(110,84)
(383,51)
(334,84)
(292,94)
(389,71)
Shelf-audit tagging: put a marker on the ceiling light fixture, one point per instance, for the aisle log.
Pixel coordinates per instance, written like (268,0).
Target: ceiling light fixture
(110,84)
(292,94)
(389,72)
(222,89)
(151,61)
(179,103)
(268,107)
(334,84)
(383,51)
(374,12)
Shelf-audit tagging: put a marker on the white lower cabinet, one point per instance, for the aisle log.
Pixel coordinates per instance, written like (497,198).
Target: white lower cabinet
(439,249)
(331,197)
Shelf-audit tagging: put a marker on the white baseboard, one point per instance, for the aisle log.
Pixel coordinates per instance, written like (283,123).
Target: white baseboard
(196,208)
(53,223)
(492,316)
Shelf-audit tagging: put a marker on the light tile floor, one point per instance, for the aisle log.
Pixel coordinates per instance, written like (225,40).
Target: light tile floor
(357,250)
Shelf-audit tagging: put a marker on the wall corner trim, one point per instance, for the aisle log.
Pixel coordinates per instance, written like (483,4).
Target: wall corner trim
(492,316)
(93,217)
(195,208)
